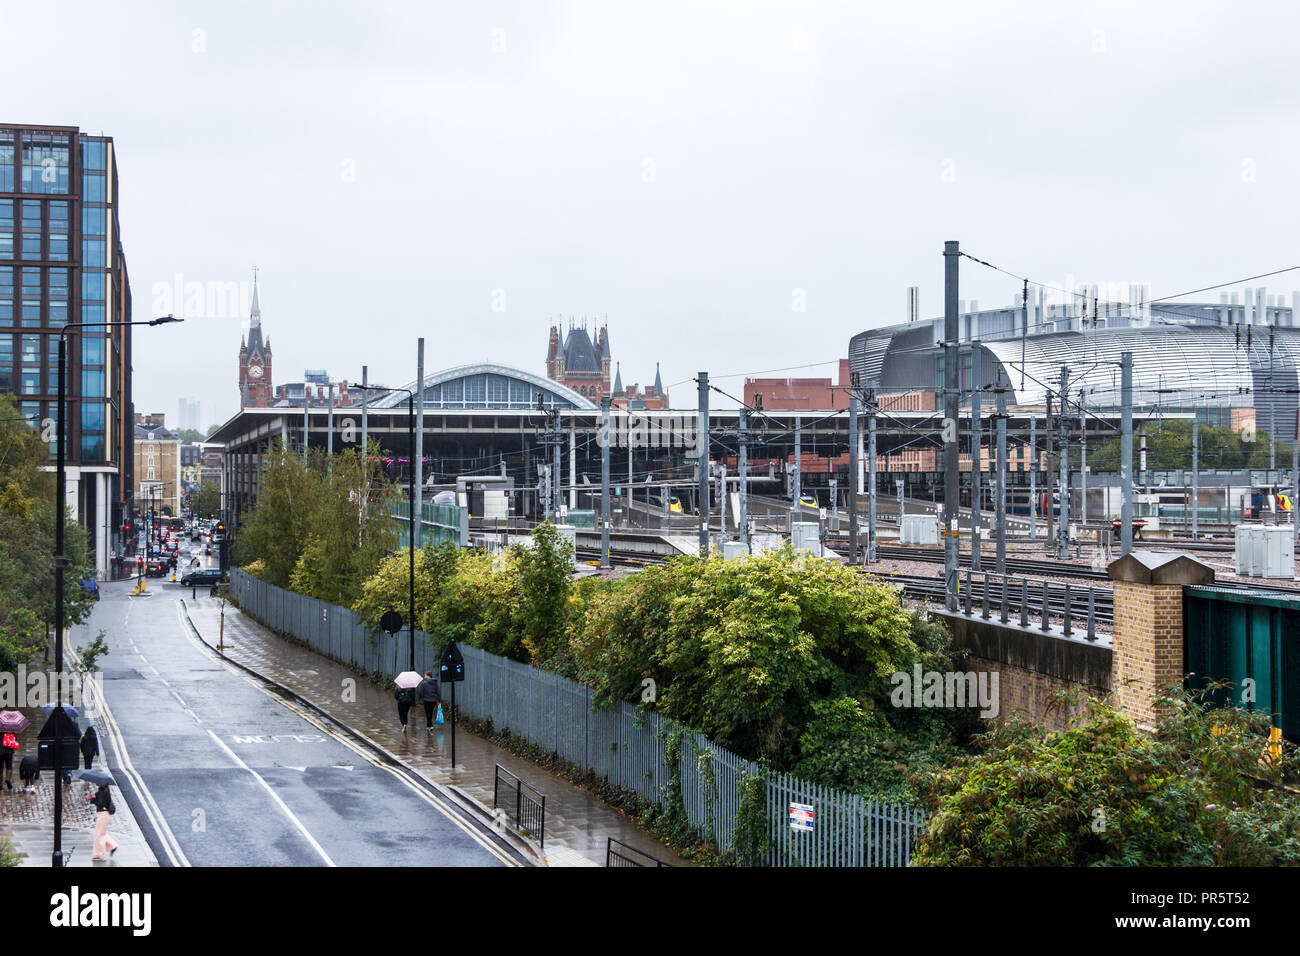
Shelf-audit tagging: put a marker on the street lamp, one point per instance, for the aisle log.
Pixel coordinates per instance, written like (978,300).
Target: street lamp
(61,561)
(410,418)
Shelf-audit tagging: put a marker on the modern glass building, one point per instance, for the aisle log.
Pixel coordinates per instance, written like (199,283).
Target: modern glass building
(61,262)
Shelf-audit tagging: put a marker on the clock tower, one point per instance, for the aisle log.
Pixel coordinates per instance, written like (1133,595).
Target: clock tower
(255,389)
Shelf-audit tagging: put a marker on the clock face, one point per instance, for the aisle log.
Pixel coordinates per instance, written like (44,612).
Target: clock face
(255,371)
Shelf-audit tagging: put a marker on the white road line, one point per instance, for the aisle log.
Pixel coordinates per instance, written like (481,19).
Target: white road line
(171,846)
(180,700)
(454,815)
(276,797)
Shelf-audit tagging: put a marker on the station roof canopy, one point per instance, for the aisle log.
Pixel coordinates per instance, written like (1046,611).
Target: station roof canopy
(487,385)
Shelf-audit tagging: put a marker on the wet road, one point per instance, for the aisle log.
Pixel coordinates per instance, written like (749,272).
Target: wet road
(219,772)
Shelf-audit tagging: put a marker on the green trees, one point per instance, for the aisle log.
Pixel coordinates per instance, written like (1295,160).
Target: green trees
(206,502)
(27,533)
(515,603)
(780,658)
(1103,793)
(321,526)
(1169,448)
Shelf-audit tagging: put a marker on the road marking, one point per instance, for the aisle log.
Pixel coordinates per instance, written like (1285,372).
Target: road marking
(171,846)
(180,700)
(451,813)
(276,797)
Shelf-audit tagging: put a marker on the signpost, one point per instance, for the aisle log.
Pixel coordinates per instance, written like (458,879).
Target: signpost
(451,670)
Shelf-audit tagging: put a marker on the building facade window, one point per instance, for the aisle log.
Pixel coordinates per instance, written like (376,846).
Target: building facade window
(6,161)
(31,297)
(45,162)
(58,231)
(6,228)
(31,229)
(6,295)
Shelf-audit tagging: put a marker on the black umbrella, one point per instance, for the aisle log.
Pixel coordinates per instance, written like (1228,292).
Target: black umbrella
(97,777)
(67,708)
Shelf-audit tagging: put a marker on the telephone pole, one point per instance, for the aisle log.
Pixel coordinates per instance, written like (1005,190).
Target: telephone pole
(976,440)
(1126,453)
(743,518)
(871,476)
(1063,526)
(604,482)
(1001,555)
(702,470)
(951,413)
(853,471)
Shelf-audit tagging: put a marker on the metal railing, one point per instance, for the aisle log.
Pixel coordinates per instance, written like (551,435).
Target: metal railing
(526,801)
(623,744)
(1068,604)
(618,853)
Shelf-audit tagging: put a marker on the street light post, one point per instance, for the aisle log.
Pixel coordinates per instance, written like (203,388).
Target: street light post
(410,418)
(61,561)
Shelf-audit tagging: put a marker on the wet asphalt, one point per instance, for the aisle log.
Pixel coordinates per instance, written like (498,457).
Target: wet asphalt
(219,772)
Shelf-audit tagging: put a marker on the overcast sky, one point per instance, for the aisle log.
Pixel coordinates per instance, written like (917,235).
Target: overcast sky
(738,187)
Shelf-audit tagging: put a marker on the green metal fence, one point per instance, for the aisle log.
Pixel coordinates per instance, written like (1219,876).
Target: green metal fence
(1237,635)
(808,825)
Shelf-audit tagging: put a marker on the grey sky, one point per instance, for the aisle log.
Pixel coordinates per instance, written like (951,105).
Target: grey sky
(694,171)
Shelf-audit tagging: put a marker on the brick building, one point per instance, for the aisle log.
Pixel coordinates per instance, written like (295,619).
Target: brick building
(157,465)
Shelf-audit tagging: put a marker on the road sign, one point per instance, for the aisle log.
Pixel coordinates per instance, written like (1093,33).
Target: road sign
(391,621)
(801,816)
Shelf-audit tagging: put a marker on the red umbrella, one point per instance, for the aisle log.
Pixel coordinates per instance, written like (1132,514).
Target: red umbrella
(13,722)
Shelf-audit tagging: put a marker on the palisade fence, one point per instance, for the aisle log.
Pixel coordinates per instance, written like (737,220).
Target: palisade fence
(624,745)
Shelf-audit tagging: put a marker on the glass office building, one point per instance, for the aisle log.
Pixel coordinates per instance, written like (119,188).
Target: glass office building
(61,262)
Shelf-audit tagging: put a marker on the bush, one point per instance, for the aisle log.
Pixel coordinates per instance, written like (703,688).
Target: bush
(1103,793)
(779,658)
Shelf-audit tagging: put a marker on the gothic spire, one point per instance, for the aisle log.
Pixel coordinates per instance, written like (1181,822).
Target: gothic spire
(659,385)
(618,381)
(255,315)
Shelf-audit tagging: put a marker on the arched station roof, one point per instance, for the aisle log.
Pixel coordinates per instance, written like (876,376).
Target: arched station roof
(487,385)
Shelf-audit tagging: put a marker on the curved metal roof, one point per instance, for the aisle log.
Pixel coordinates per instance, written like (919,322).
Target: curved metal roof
(1195,361)
(486,374)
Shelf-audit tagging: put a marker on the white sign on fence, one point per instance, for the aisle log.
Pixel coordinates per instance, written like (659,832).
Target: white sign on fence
(801,816)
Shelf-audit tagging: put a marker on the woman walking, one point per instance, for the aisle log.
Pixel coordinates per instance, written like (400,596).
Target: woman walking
(405,698)
(105,845)
(90,746)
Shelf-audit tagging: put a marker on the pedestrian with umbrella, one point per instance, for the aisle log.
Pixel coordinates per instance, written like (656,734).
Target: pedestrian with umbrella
(90,746)
(105,845)
(404,694)
(12,723)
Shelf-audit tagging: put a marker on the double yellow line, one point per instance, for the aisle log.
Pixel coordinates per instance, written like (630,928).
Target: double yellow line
(451,813)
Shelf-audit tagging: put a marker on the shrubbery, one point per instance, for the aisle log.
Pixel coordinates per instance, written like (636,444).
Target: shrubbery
(1103,793)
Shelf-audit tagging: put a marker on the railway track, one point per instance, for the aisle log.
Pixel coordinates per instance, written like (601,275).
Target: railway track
(932,589)
(1013,565)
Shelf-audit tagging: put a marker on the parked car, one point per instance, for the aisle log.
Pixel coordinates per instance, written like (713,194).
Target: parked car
(202,576)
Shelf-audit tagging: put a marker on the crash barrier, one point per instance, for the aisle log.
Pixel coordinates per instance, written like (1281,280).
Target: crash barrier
(631,747)
(618,853)
(527,804)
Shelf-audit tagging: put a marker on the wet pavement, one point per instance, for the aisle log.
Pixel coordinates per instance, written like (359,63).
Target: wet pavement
(221,772)
(578,823)
(27,813)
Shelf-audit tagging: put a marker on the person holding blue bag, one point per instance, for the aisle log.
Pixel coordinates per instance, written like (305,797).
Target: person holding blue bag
(432,697)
